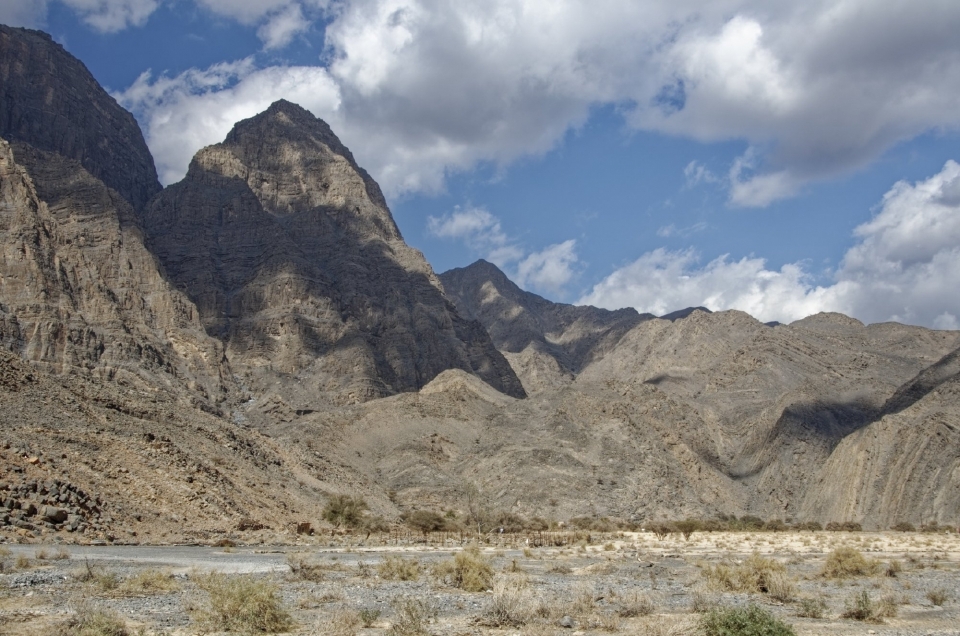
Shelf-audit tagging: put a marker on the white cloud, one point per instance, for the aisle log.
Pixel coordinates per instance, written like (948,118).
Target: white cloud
(668,231)
(905,267)
(282,27)
(815,88)
(197,108)
(23,13)
(550,269)
(111,16)
(697,173)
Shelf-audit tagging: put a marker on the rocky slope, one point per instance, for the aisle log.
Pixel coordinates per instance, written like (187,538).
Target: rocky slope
(547,343)
(293,260)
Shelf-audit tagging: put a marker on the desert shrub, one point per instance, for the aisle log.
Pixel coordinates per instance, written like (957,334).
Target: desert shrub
(862,608)
(425,521)
(341,622)
(559,568)
(394,568)
(661,529)
(241,604)
(702,601)
(844,526)
(344,510)
(755,574)
(304,569)
(775,525)
(937,596)
(87,621)
(894,568)
(904,526)
(636,604)
(22,562)
(368,616)
(149,583)
(811,607)
(687,527)
(510,605)
(743,621)
(413,615)
(469,571)
(812,526)
(781,587)
(845,562)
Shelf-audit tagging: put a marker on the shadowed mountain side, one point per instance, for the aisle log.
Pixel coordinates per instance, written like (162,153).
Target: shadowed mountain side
(294,262)
(945,370)
(520,322)
(50,100)
(904,467)
(79,293)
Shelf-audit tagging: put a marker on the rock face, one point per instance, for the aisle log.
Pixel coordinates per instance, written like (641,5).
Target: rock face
(79,293)
(294,261)
(546,342)
(50,100)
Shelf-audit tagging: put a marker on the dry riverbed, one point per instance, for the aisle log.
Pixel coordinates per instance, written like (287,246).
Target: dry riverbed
(631,583)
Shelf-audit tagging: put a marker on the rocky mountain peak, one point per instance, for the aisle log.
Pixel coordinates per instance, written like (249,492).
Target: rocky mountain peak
(50,100)
(291,254)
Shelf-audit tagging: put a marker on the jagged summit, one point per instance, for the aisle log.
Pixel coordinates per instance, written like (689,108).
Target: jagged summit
(294,261)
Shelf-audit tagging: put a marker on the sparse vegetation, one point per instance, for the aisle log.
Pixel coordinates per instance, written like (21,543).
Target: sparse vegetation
(242,604)
(149,583)
(811,607)
(394,568)
(346,511)
(88,621)
(303,568)
(636,603)
(756,574)
(863,608)
(845,562)
(510,605)
(743,621)
(937,596)
(413,616)
(469,571)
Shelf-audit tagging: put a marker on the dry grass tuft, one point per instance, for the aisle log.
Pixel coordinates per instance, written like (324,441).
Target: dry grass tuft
(511,604)
(341,622)
(636,604)
(756,574)
(469,571)
(394,568)
(149,583)
(241,604)
(88,621)
(413,616)
(303,568)
(863,608)
(845,562)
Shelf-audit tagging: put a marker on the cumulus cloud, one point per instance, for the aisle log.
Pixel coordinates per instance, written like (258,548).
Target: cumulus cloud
(904,266)
(547,270)
(282,27)
(197,108)
(816,88)
(110,16)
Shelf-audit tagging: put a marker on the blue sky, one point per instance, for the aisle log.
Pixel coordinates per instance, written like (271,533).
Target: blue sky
(779,158)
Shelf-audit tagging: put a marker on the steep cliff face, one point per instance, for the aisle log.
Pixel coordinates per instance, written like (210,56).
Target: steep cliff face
(293,259)
(79,293)
(50,100)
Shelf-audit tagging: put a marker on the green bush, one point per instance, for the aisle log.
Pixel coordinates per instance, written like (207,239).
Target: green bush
(425,521)
(344,510)
(743,621)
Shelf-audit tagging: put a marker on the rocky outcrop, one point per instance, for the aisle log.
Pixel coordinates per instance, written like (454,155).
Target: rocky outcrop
(294,261)
(50,100)
(529,329)
(79,293)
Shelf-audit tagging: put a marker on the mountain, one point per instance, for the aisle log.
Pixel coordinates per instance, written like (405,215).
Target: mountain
(294,262)
(50,100)
(547,343)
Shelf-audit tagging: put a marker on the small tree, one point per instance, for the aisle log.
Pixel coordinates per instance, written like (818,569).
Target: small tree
(425,521)
(344,510)
(687,527)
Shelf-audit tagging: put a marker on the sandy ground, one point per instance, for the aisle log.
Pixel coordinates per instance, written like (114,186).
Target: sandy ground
(591,584)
